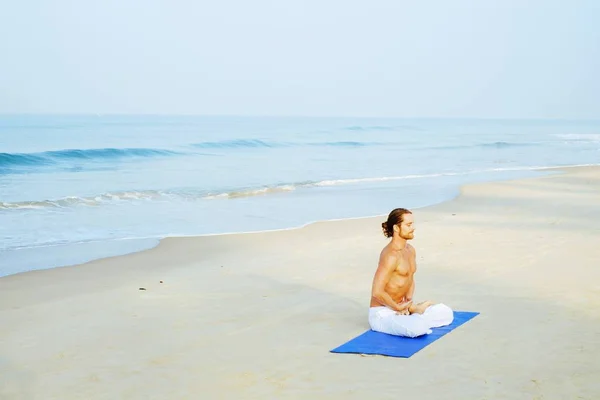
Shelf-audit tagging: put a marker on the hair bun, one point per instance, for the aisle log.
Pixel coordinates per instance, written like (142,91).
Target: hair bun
(384,227)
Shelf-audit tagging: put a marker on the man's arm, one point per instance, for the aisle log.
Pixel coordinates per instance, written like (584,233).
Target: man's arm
(411,289)
(385,269)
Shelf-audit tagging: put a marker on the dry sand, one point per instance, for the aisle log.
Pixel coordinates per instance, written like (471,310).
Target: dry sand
(253,316)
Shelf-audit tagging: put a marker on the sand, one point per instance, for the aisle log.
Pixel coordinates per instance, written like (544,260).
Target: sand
(253,316)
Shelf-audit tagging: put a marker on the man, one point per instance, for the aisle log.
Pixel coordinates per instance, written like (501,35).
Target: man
(392,310)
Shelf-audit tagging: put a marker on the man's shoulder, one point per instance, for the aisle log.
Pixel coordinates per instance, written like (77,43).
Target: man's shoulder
(389,255)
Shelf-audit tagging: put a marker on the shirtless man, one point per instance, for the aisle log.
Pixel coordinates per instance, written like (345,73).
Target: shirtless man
(392,310)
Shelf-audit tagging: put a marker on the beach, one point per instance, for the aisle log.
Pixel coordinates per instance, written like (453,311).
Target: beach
(255,315)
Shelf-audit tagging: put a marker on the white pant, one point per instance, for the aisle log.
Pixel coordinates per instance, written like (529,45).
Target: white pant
(385,320)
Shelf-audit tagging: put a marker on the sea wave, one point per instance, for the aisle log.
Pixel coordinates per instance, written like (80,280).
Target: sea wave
(196,195)
(487,145)
(504,145)
(259,143)
(11,163)
(369,128)
(579,137)
(72,201)
(366,128)
(261,191)
(8,160)
(237,143)
(345,144)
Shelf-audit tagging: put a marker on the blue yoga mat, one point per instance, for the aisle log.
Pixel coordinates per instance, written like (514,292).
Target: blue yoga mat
(372,342)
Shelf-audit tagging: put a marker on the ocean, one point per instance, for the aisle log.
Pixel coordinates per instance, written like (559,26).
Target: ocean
(78,188)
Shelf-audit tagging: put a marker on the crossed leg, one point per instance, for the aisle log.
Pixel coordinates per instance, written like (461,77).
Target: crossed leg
(386,320)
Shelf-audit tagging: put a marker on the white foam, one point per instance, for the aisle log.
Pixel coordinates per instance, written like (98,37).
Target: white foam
(580,137)
(150,195)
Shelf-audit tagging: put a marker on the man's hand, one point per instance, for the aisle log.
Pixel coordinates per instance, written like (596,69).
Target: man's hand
(404,308)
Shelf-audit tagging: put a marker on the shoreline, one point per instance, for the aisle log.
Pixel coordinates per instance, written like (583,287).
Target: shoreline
(255,315)
(163,245)
(544,171)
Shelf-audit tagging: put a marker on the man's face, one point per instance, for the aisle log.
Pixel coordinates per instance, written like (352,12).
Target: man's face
(407,229)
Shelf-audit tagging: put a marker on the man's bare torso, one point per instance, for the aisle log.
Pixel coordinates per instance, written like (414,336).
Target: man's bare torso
(402,279)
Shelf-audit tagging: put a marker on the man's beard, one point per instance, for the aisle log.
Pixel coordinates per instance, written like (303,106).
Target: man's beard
(407,236)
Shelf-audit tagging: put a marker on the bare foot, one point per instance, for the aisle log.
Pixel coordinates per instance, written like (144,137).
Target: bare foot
(421,307)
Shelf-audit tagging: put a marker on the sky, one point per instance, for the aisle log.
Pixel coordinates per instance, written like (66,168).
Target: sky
(380,58)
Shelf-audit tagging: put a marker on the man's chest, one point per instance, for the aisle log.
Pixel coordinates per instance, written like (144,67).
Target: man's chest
(406,265)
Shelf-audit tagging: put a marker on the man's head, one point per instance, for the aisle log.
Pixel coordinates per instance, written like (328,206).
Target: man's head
(400,224)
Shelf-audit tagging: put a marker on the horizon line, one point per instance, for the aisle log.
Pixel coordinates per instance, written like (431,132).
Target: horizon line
(142,114)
